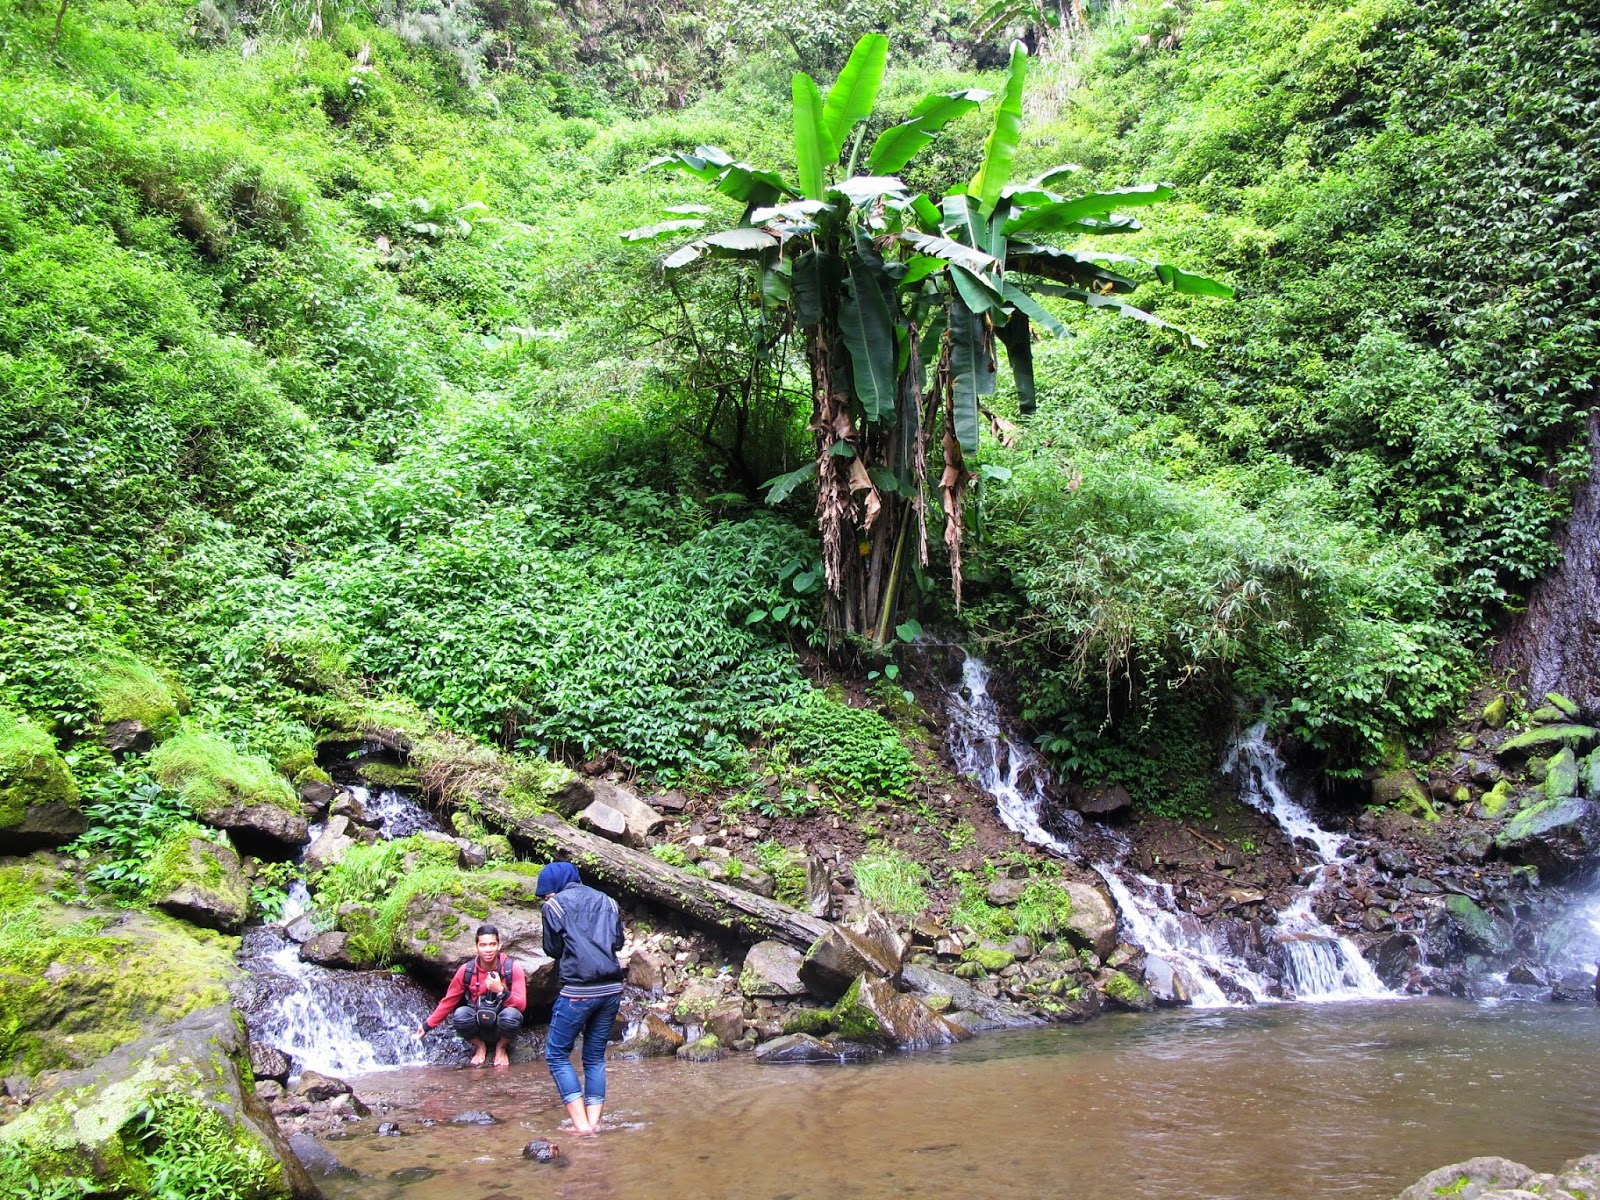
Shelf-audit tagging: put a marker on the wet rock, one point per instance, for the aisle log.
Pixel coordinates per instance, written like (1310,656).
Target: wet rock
(317,1159)
(1470,1180)
(332,949)
(656,1039)
(332,844)
(315,1086)
(390,1129)
(201,882)
(268,1062)
(1394,860)
(1524,974)
(646,969)
(702,1050)
(1482,772)
(318,795)
(841,954)
(949,947)
(1125,992)
(268,1090)
(407,1175)
(983,1011)
(1103,801)
(1561,777)
(1575,987)
(1495,712)
(344,804)
(90,1119)
(1558,837)
(1493,802)
(540,1150)
(1546,739)
(1402,790)
(726,1022)
(1167,983)
(771,969)
(801,1048)
(475,1116)
(873,1011)
(1474,930)
(301,929)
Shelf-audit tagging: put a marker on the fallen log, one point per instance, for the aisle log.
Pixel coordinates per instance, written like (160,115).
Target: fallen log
(744,915)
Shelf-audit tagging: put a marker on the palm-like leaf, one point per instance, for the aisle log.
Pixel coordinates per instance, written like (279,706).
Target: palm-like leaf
(854,93)
(1001,147)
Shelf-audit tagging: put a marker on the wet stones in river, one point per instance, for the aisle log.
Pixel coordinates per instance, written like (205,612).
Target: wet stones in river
(540,1150)
(1492,1178)
(268,1062)
(409,1175)
(873,1011)
(1471,929)
(1397,956)
(1167,983)
(1092,924)
(842,953)
(657,1039)
(332,844)
(317,1159)
(801,1048)
(332,949)
(1559,837)
(702,1050)
(475,1116)
(436,934)
(647,969)
(1576,987)
(316,1087)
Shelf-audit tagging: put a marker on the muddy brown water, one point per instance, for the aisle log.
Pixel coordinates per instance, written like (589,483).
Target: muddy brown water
(1276,1103)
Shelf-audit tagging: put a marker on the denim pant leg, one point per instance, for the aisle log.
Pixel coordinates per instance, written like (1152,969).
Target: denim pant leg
(596,1033)
(565,1024)
(506,1025)
(465,1022)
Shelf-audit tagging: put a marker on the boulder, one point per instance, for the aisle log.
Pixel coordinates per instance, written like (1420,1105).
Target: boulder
(840,955)
(315,1086)
(1589,775)
(772,970)
(1472,930)
(1495,712)
(640,821)
(332,949)
(1168,984)
(981,1011)
(39,801)
(345,805)
(752,879)
(104,1124)
(330,847)
(1493,802)
(200,881)
(1559,837)
(601,818)
(1576,987)
(318,795)
(1092,924)
(317,1159)
(655,1039)
(237,792)
(702,1050)
(801,1048)
(886,943)
(1561,776)
(1103,801)
(438,932)
(1470,1180)
(873,1011)
(647,969)
(1126,992)
(1546,739)
(136,975)
(1402,790)
(268,1062)
(726,1022)
(1396,955)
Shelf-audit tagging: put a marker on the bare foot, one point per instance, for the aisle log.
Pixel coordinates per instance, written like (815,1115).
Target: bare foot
(479,1052)
(501,1059)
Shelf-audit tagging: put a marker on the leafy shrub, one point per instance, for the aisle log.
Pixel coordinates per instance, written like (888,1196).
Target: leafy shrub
(133,821)
(190,1149)
(209,773)
(851,750)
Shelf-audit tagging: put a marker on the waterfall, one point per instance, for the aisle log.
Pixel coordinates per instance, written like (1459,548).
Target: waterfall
(335,1021)
(1317,964)
(340,1022)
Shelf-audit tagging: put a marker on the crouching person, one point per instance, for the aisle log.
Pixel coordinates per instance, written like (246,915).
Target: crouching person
(485,1001)
(582,932)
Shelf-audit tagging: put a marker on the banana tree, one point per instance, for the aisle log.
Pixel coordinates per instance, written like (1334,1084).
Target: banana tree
(900,302)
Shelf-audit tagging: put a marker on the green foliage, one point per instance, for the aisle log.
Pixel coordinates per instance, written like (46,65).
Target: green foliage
(189,1149)
(32,771)
(671,854)
(852,751)
(972,910)
(133,822)
(21,1178)
(377,882)
(125,688)
(892,883)
(1043,909)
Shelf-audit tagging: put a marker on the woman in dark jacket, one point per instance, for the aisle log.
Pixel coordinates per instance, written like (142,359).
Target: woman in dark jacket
(582,932)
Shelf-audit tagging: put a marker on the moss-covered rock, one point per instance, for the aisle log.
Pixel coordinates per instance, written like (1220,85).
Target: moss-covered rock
(1496,711)
(39,801)
(1559,837)
(854,1021)
(704,1049)
(1567,707)
(1547,738)
(1474,930)
(178,1101)
(233,791)
(74,984)
(1493,802)
(136,703)
(1125,991)
(990,958)
(814,1021)
(1561,776)
(437,928)
(200,881)
(1402,790)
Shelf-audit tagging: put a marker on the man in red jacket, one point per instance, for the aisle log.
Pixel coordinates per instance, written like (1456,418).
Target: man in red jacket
(485,1002)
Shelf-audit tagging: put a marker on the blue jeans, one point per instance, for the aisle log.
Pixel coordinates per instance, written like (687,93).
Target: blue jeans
(592,1017)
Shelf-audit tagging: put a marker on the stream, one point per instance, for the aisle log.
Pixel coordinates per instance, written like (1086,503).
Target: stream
(1282,1101)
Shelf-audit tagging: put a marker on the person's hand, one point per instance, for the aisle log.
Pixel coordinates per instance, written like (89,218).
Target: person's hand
(420,1032)
(494,983)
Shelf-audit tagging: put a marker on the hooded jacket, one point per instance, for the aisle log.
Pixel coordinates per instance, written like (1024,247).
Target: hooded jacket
(583,932)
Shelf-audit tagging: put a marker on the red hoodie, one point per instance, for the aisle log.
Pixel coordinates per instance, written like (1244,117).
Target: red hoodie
(518,999)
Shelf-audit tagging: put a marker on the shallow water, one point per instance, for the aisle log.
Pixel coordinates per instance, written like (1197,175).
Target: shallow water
(1283,1102)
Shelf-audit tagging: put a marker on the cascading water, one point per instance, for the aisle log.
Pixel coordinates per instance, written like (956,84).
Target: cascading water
(341,1022)
(1316,963)
(1319,964)
(336,1021)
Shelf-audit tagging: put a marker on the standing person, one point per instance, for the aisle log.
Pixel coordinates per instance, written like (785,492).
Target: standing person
(485,1002)
(582,932)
